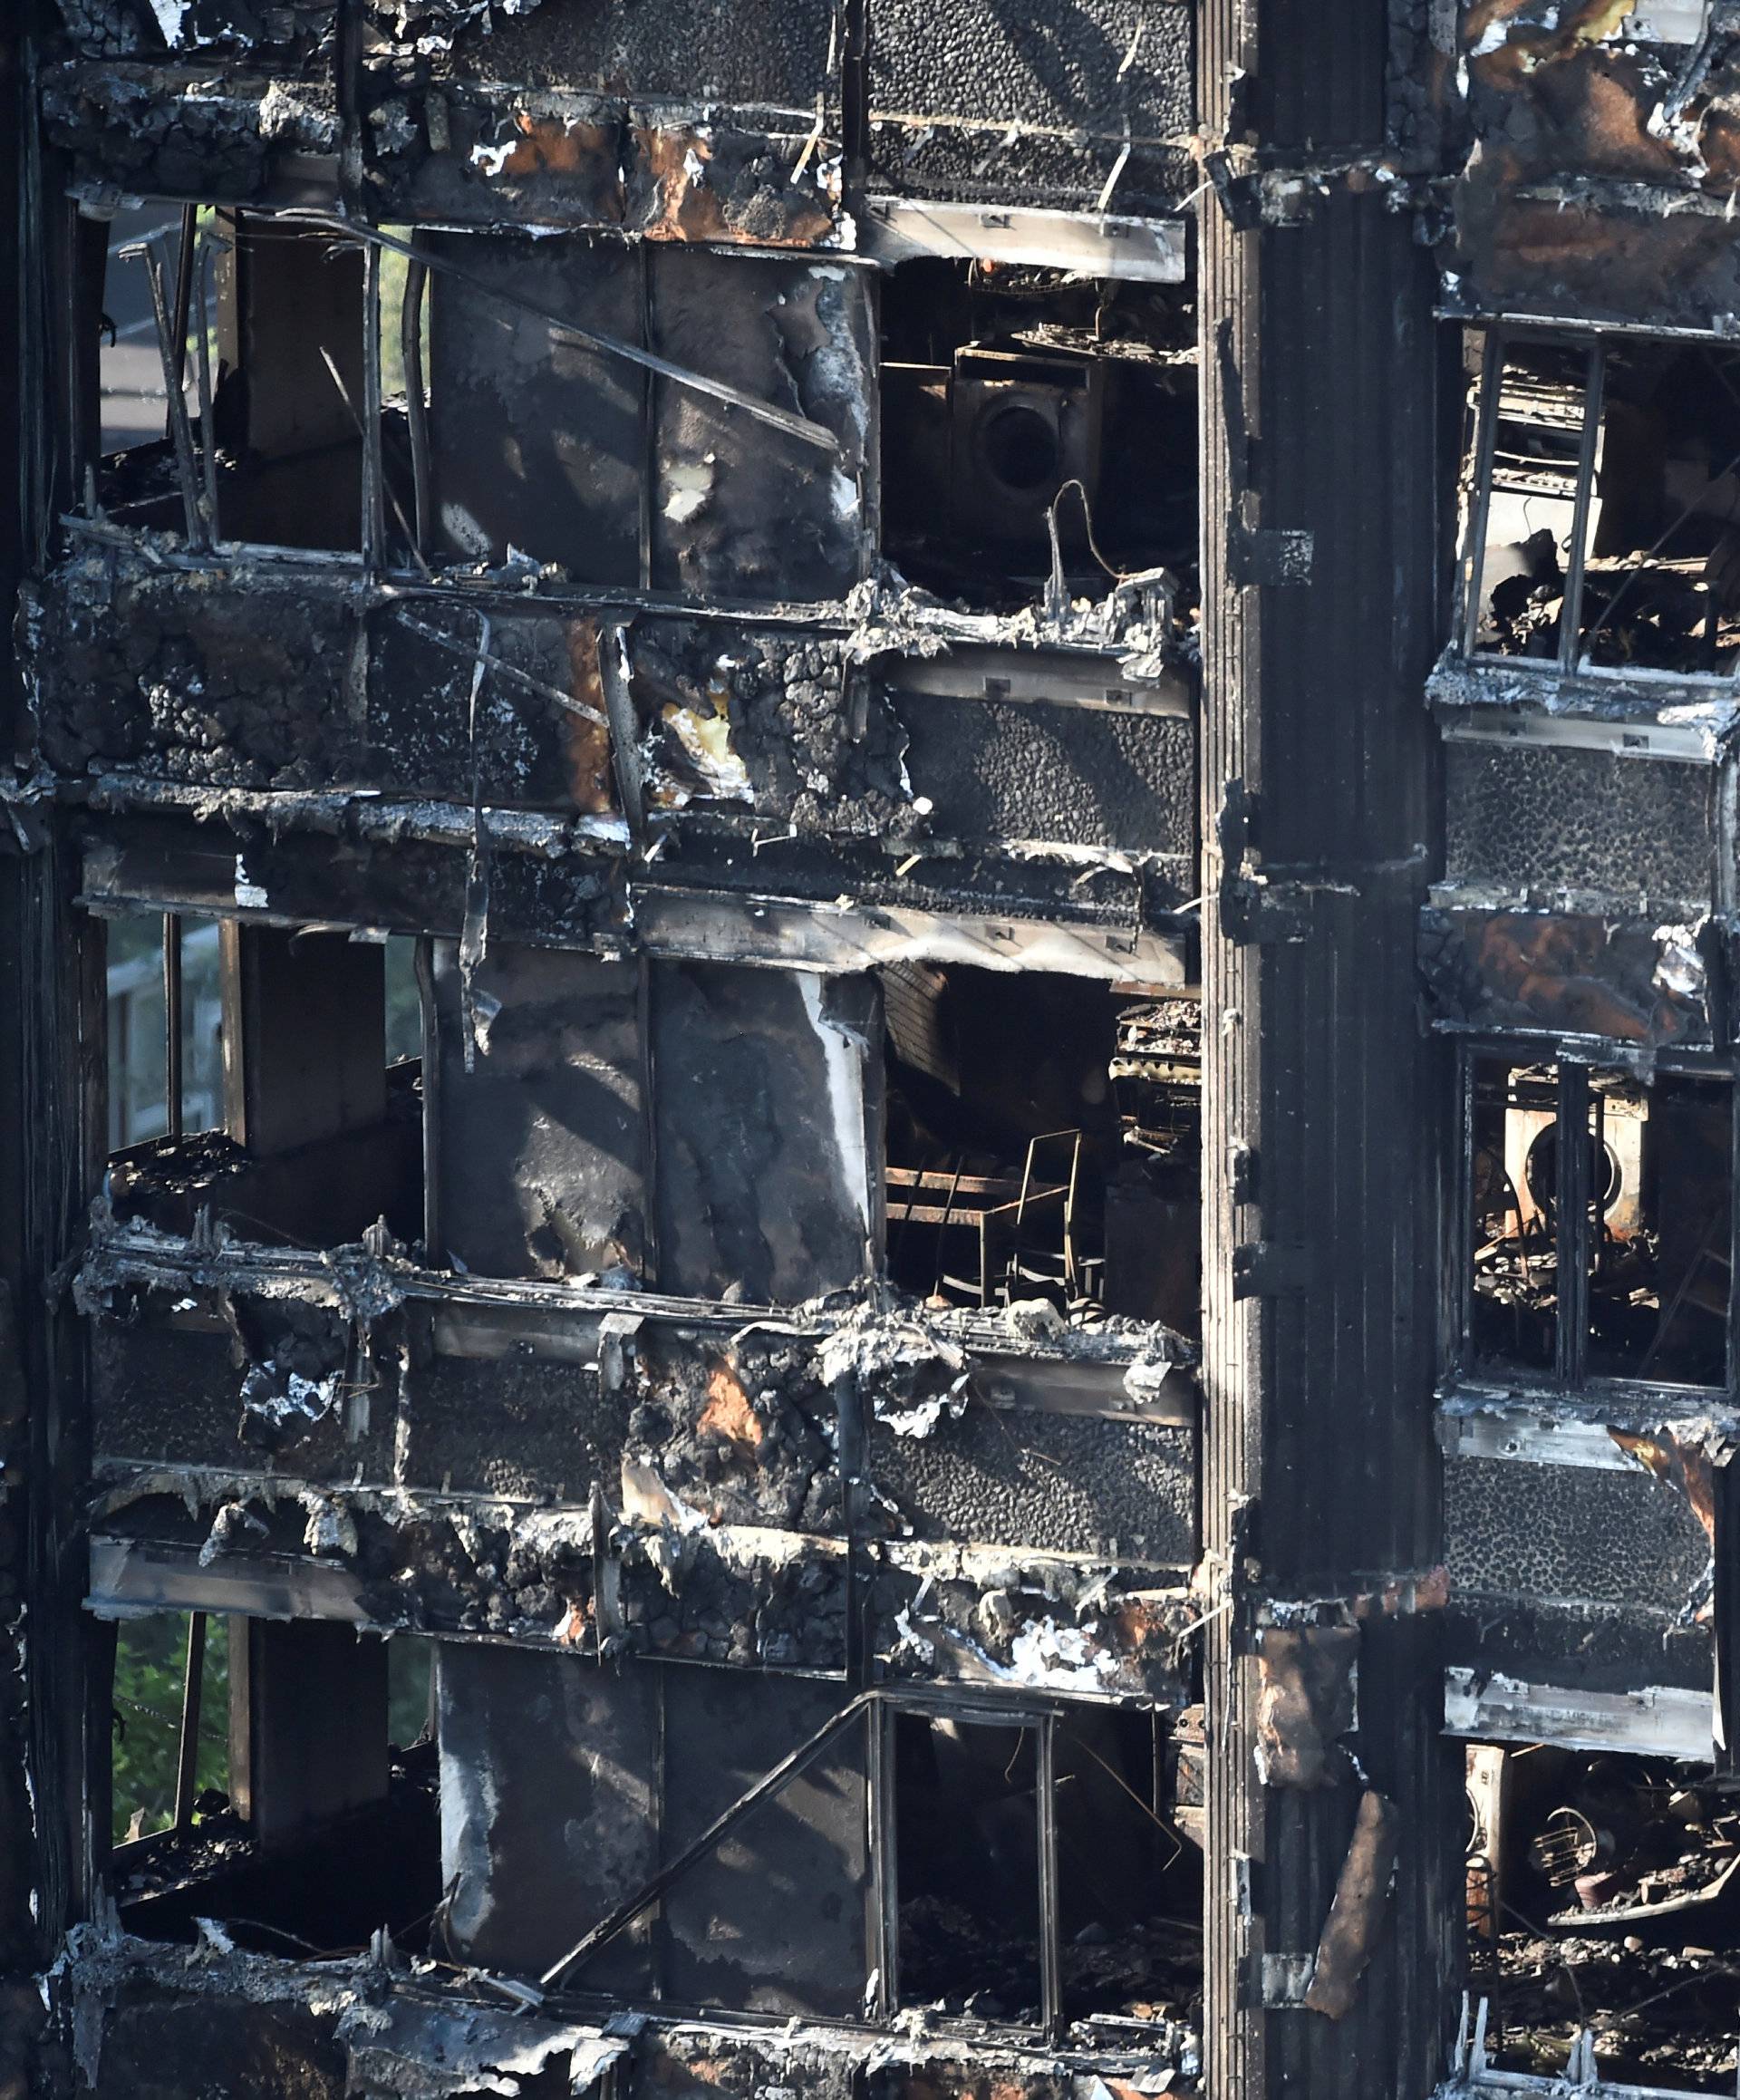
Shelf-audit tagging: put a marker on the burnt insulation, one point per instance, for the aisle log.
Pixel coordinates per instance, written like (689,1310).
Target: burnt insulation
(1565,1532)
(1570,819)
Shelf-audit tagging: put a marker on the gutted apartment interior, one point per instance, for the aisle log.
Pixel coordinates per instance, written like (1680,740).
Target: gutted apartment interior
(868,949)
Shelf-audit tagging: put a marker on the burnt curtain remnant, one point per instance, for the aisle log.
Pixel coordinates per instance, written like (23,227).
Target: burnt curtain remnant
(867,1048)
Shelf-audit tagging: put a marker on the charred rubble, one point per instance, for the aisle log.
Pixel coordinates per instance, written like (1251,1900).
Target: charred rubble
(867,1039)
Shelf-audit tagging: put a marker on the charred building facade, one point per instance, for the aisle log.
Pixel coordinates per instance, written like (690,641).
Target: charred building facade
(868,1011)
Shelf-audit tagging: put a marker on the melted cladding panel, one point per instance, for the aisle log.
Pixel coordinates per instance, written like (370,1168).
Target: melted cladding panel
(1561,973)
(549,1808)
(541,442)
(565,1785)
(536,440)
(741,509)
(773,1920)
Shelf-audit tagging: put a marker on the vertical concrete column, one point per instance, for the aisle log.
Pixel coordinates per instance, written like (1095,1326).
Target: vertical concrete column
(1325,479)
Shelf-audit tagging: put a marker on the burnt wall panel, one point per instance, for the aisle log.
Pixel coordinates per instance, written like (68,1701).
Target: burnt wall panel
(162,1392)
(549,1807)
(1070,1483)
(1577,197)
(286,1391)
(740,509)
(222,138)
(950,80)
(242,687)
(481,152)
(535,442)
(1538,1531)
(1594,1647)
(1550,819)
(1556,974)
(998,770)
(284,33)
(762,1079)
(163,2047)
(774,1919)
(342,869)
(778,721)
(743,1429)
(541,1147)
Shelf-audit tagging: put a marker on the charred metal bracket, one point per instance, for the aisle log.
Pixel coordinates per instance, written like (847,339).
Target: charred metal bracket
(1253,908)
(1285,1980)
(1242,1164)
(1240,197)
(1272,1268)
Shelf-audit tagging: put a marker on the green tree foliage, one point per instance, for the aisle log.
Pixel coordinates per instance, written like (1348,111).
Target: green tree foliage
(150,1661)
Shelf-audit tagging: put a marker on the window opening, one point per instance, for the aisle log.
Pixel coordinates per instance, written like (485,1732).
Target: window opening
(134,404)
(967,1838)
(163,1062)
(1001,388)
(1601,1226)
(278,1776)
(1604,506)
(259,327)
(1515,1307)
(300,1084)
(1042,1141)
(1040,1875)
(170,1738)
(1600,1901)
(1129,1872)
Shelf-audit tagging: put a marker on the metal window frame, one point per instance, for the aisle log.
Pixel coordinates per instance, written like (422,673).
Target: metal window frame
(1494,352)
(885,1866)
(1570,1373)
(1498,338)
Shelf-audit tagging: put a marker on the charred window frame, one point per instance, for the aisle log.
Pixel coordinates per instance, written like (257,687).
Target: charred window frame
(1562,1299)
(878,1724)
(274,1074)
(276,1773)
(886,1841)
(1569,429)
(255,474)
